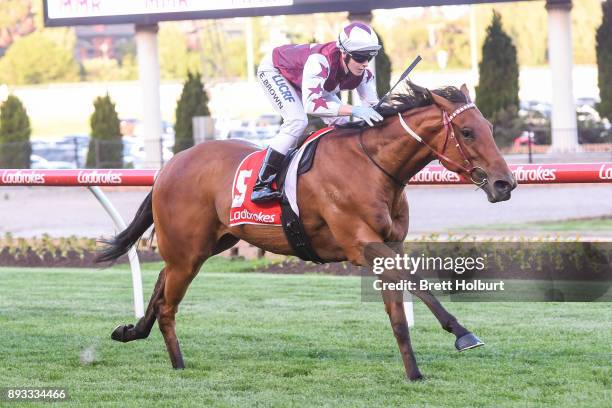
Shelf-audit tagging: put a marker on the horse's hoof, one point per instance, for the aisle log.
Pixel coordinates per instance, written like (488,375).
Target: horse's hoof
(468,341)
(416,377)
(121,333)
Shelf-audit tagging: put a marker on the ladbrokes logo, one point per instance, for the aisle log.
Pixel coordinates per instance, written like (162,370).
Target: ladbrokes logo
(95,177)
(19,177)
(436,176)
(537,174)
(246,215)
(605,173)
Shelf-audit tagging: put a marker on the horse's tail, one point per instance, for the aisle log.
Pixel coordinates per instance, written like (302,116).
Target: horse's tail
(123,241)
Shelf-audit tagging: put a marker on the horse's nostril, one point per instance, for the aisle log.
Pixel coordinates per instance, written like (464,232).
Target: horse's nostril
(502,186)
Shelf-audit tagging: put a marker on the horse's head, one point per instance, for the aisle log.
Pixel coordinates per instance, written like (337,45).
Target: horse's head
(467,147)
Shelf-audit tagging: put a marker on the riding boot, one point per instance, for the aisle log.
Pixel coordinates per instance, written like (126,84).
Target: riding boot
(263,191)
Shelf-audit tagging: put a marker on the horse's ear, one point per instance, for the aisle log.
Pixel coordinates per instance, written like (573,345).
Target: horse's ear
(464,90)
(441,101)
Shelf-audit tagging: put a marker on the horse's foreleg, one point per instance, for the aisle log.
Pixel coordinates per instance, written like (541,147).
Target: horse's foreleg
(125,333)
(464,339)
(447,320)
(397,317)
(394,306)
(360,252)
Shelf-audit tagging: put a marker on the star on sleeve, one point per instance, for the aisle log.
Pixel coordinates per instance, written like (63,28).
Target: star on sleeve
(315,98)
(316,90)
(320,102)
(324,71)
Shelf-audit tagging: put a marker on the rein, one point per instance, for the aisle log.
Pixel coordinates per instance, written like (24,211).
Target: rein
(391,176)
(478,179)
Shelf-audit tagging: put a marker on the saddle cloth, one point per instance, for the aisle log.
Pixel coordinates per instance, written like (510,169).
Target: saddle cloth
(243,210)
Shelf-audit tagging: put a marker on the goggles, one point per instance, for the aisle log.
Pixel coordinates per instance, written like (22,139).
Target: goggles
(362,56)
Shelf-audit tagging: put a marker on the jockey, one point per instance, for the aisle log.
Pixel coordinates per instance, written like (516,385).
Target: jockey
(304,79)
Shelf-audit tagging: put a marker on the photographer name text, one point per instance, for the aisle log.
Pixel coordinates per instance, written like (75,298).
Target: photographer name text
(447,285)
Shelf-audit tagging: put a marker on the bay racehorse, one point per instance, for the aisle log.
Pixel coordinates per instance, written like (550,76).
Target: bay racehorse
(352,196)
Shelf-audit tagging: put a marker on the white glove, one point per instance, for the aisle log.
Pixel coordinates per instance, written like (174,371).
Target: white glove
(366,113)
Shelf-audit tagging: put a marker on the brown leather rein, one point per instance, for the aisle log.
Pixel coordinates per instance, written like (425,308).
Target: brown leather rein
(478,179)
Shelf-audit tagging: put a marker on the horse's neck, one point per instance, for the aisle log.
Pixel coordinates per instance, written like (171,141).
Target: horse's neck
(399,153)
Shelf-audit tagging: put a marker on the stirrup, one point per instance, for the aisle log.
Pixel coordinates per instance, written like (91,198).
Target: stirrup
(265,194)
(263,191)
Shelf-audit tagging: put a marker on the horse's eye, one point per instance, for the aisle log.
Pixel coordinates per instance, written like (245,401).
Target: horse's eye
(467,133)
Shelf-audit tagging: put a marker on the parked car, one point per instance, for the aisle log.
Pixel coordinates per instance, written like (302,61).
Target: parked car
(265,132)
(133,152)
(523,139)
(591,127)
(134,155)
(79,145)
(54,151)
(134,127)
(587,101)
(258,136)
(37,162)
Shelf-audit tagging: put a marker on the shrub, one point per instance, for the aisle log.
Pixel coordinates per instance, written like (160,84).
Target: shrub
(105,146)
(193,102)
(604,60)
(497,90)
(15,148)
(383,70)
(507,125)
(36,59)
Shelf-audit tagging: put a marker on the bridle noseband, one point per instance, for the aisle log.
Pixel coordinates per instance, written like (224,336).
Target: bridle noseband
(447,119)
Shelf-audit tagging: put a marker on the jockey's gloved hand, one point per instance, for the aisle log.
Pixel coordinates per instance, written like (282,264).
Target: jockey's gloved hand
(366,113)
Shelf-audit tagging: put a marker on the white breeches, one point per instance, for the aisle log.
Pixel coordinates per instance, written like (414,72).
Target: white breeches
(287,102)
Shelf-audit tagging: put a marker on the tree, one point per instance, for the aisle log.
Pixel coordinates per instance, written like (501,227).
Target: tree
(383,69)
(36,59)
(498,87)
(15,148)
(604,60)
(175,59)
(193,102)
(16,20)
(105,145)
(497,91)
(507,125)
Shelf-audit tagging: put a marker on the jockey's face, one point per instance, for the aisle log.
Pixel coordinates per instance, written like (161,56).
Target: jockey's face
(356,68)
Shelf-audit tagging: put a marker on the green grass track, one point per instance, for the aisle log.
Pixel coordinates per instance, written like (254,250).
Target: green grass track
(252,339)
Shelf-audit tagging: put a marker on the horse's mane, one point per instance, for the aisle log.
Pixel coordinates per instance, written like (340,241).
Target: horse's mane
(408,95)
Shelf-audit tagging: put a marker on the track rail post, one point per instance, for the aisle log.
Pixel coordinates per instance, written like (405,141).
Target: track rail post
(133,256)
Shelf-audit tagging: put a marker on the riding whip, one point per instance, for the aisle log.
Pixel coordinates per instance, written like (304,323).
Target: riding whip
(404,75)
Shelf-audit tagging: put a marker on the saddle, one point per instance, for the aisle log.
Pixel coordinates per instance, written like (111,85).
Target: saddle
(292,225)
(285,212)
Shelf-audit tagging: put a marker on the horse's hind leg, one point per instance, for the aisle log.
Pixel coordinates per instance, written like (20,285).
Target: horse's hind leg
(125,333)
(179,272)
(177,281)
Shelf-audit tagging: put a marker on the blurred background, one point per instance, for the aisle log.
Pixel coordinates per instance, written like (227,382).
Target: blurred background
(57,73)
(72,97)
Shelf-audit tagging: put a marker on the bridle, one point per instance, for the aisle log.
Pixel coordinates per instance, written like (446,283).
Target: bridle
(447,120)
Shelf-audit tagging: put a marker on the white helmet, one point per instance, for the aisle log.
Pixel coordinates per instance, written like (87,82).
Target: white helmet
(359,38)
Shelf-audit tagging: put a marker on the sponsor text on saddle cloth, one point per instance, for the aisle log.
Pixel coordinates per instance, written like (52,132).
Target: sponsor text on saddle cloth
(243,210)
